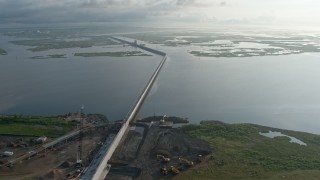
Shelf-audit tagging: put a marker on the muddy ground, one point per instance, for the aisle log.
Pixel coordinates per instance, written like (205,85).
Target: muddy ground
(55,163)
(139,150)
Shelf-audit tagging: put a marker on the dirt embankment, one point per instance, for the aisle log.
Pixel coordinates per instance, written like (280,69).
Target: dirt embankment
(169,142)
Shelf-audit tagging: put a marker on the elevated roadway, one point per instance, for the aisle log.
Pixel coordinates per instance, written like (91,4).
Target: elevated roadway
(99,167)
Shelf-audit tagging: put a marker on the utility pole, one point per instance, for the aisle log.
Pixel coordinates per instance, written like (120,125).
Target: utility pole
(79,154)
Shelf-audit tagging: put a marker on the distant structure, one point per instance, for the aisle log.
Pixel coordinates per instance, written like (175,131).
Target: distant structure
(143,46)
(164,123)
(79,154)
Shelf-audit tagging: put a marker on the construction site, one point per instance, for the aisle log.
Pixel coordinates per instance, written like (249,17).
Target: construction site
(154,148)
(132,148)
(54,158)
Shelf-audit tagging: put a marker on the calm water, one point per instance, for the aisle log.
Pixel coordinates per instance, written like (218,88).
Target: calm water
(273,134)
(279,91)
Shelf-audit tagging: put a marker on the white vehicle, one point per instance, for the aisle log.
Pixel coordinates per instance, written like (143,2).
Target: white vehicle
(31,152)
(7,153)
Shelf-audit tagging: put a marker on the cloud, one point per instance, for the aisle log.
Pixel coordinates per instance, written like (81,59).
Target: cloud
(223,3)
(40,11)
(112,3)
(52,11)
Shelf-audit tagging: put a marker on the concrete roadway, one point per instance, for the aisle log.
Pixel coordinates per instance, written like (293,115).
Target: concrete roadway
(99,167)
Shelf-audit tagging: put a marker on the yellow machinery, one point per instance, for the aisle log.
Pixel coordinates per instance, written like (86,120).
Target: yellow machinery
(185,162)
(174,170)
(162,158)
(164,170)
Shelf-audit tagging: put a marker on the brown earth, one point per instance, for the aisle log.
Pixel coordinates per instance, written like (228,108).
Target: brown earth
(156,140)
(55,163)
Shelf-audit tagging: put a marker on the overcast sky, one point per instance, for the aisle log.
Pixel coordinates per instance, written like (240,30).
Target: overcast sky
(180,11)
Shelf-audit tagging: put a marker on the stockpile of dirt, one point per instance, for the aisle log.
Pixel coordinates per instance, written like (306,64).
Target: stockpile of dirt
(178,144)
(55,174)
(66,164)
(128,150)
(117,177)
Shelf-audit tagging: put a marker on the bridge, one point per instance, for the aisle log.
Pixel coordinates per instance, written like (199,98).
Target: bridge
(99,167)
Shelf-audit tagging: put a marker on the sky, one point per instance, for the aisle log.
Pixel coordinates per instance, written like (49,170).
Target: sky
(296,12)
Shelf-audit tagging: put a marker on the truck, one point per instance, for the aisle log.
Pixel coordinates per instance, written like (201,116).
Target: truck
(185,162)
(7,153)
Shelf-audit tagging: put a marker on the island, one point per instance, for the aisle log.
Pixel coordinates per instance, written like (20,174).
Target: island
(50,56)
(230,45)
(113,54)
(49,43)
(3,52)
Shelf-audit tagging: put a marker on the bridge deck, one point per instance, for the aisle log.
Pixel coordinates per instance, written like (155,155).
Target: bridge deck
(98,168)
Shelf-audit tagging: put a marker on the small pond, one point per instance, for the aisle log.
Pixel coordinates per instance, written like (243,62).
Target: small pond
(273,134)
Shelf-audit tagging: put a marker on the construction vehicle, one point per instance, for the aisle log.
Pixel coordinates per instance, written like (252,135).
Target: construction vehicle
(174,170)
(185,162)
(164,171)
(200,158)
(163,120)
(162,158)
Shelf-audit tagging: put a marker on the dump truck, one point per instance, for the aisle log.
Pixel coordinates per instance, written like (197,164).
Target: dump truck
(164,171)
(185,162)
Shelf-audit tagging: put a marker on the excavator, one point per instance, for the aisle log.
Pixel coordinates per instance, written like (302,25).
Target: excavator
(162,158)
(165,170)
(185,162)
(174,170)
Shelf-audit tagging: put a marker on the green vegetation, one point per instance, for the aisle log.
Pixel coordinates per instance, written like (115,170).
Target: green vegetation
(50,56)
(47,44)
(102,117)
(283,45)
(34,126)
(113,54)
(3,52)
(241,153)
(167,38)
(245,53)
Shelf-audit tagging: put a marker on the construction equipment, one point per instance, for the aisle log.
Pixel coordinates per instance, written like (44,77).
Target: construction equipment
(185,162)
(200,158)
(163,120)
(79,153)
(162,158)
(164,170)
(174,170)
